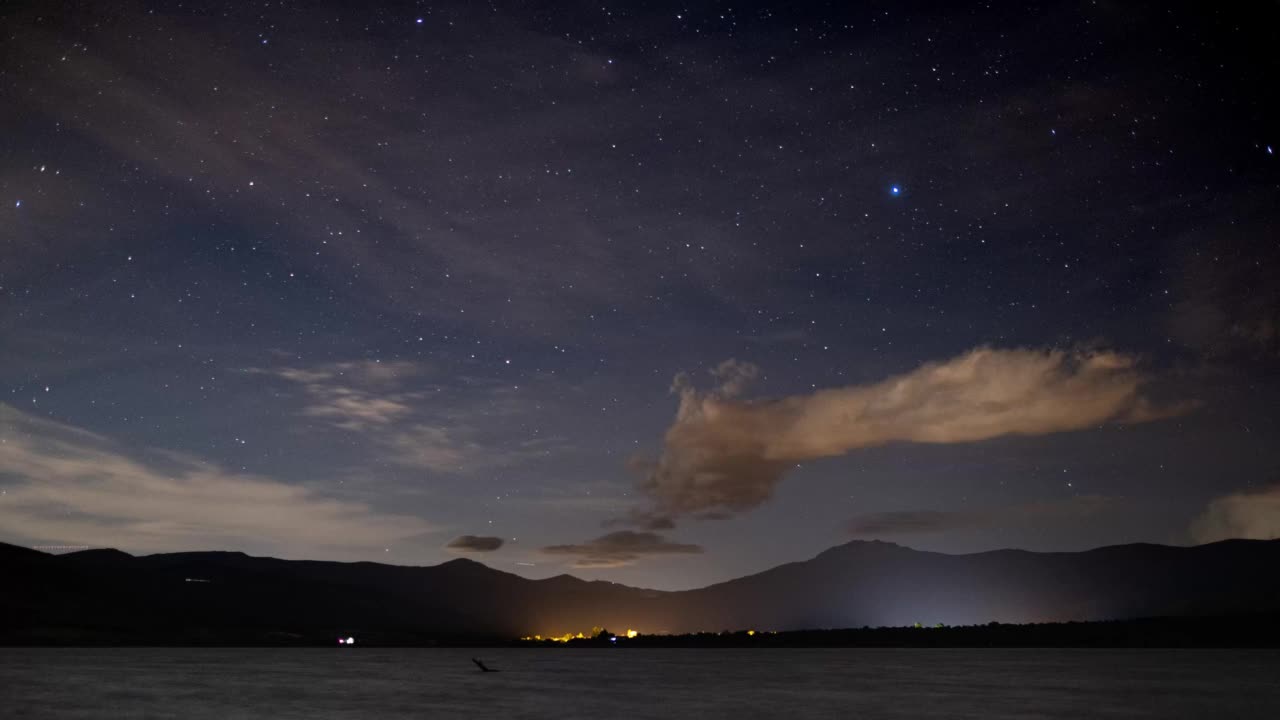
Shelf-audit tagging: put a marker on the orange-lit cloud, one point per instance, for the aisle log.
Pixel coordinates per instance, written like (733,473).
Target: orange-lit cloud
(1253,514)
(726,455)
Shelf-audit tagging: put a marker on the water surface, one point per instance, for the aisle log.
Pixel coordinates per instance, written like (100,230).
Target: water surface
(638,683)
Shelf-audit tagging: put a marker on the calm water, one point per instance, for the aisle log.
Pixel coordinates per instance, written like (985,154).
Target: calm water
(371,683)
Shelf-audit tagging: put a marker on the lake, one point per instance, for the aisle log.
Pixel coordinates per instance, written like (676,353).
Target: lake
(638,683)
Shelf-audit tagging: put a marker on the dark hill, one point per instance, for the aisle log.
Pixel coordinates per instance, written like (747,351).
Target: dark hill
(224,597)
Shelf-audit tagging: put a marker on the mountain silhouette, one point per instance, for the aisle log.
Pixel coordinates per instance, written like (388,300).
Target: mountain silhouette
(110,596)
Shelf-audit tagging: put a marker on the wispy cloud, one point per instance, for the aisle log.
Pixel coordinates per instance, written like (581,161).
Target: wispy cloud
(356,396)
(69,486)
(352,409)
(1251,514)
(726,455)
(620,548)
(406,419)
(921,522)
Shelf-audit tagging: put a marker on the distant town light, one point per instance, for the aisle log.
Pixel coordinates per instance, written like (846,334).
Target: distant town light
(351,641)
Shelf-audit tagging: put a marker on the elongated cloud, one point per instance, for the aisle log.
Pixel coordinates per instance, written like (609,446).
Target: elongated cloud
(620,548)
(475,543)
(1253,515)
(922,522)
(67,486)
(726,455)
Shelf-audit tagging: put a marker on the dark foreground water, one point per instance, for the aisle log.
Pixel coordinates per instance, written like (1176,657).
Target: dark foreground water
(633,683)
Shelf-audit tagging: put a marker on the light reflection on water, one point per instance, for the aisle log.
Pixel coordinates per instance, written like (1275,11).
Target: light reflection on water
(637,683)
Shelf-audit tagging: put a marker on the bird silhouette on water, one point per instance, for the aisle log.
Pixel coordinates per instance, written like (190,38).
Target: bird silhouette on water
(482,666)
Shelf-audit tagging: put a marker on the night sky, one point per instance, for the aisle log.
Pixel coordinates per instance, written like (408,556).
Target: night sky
(658,295)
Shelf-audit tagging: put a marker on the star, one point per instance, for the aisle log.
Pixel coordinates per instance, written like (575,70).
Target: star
(895,190)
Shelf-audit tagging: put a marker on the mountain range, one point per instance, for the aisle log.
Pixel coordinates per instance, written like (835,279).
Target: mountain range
(108,596)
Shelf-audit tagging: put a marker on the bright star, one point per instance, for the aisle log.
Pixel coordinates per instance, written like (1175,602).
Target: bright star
(895,190)
(419,21)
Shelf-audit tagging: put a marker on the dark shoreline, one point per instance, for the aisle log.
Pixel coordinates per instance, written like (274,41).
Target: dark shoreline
(1260,631)
(1240,631)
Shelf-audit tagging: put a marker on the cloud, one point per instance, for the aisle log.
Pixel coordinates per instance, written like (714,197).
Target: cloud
(620,548)
(352,409)
(408,421)
(365,372)
(1252,514)
(356,395)
(475,543)
(433,447)
(921,522)
(725,455)
(642,518)
(68,486)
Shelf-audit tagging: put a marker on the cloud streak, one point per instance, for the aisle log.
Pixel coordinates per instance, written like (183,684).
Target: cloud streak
(620,548)
(68,486)
(1253,514)
(725,455)
(475,543)
(923,522)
